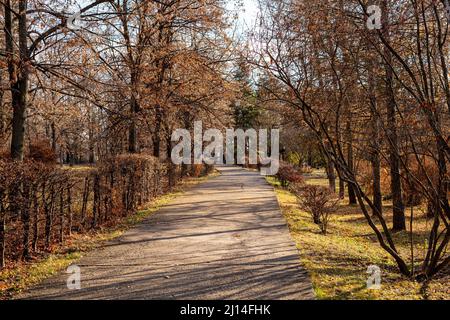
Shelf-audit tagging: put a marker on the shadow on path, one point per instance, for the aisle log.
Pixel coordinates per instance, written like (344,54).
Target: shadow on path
(224,239)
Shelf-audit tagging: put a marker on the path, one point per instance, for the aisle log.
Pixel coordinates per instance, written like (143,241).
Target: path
(223,239)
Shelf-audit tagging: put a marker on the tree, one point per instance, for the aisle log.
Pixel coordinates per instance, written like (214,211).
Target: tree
(316,59)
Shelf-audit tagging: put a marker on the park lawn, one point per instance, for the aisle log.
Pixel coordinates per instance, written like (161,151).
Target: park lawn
(20,276)
(338,261)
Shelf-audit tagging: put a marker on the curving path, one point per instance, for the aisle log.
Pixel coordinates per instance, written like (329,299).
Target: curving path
(224,239)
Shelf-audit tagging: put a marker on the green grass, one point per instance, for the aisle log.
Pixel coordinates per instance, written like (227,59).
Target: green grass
(338,261)
(18,277)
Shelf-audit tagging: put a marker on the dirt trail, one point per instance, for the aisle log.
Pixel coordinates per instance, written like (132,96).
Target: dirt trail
(224,239)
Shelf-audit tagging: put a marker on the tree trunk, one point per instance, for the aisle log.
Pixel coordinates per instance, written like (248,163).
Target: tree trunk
(95,206)
(375,143)
(399,222)
(36,221)
(156,134)
(19,87)
(69,209)
(309,159)
(48,209)
(376,184)
(132,134)
(171,172)
(25,217)
(331,176)
(53,129)
(341,189)
(351,191)
(61,215)
(85,201)
(2,234)
(91,138)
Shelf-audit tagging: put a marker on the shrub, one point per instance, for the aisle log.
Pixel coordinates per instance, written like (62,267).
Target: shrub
(288,174)
(413,194)
(129,180)
(41,151)
(320,202)
(41,203)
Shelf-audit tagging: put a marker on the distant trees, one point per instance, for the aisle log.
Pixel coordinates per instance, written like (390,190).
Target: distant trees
(374,99)
(123,67)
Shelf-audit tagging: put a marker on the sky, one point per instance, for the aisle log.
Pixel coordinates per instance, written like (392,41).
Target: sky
(247,11)
(247,14)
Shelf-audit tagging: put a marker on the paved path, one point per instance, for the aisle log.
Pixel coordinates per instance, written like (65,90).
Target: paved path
(223,239)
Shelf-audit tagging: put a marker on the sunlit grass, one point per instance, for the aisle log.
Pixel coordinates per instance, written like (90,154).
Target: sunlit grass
(338,261)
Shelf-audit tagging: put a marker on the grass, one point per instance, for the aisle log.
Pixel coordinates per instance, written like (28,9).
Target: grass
(338,261)
(17,278)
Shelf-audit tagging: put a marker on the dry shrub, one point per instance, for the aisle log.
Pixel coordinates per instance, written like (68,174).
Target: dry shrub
(32,200)
(413,193)
(320,202)
(248,165)
(129,180)
(365,178)
(5,154)
(41,151)
(288,174)
(40,203)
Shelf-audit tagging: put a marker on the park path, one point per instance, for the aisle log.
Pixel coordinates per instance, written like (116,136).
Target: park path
(224,239)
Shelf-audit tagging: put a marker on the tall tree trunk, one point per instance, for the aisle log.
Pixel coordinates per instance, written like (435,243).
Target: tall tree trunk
(132,134)
(48,209)
(157,134)
(36,220)
(376,184)
(19,79)
(91,137)
(96,204)
(399,222)
(25,217)
(351,191)
(69,209)
(85,201)
(331,175)
(2,234)
(171,172)
(341,189)
(53,129)
(133,68)
(375,143)
(61,215)
(187,125)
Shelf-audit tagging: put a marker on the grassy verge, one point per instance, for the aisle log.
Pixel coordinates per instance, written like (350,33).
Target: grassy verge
(338,261)
(16,278)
